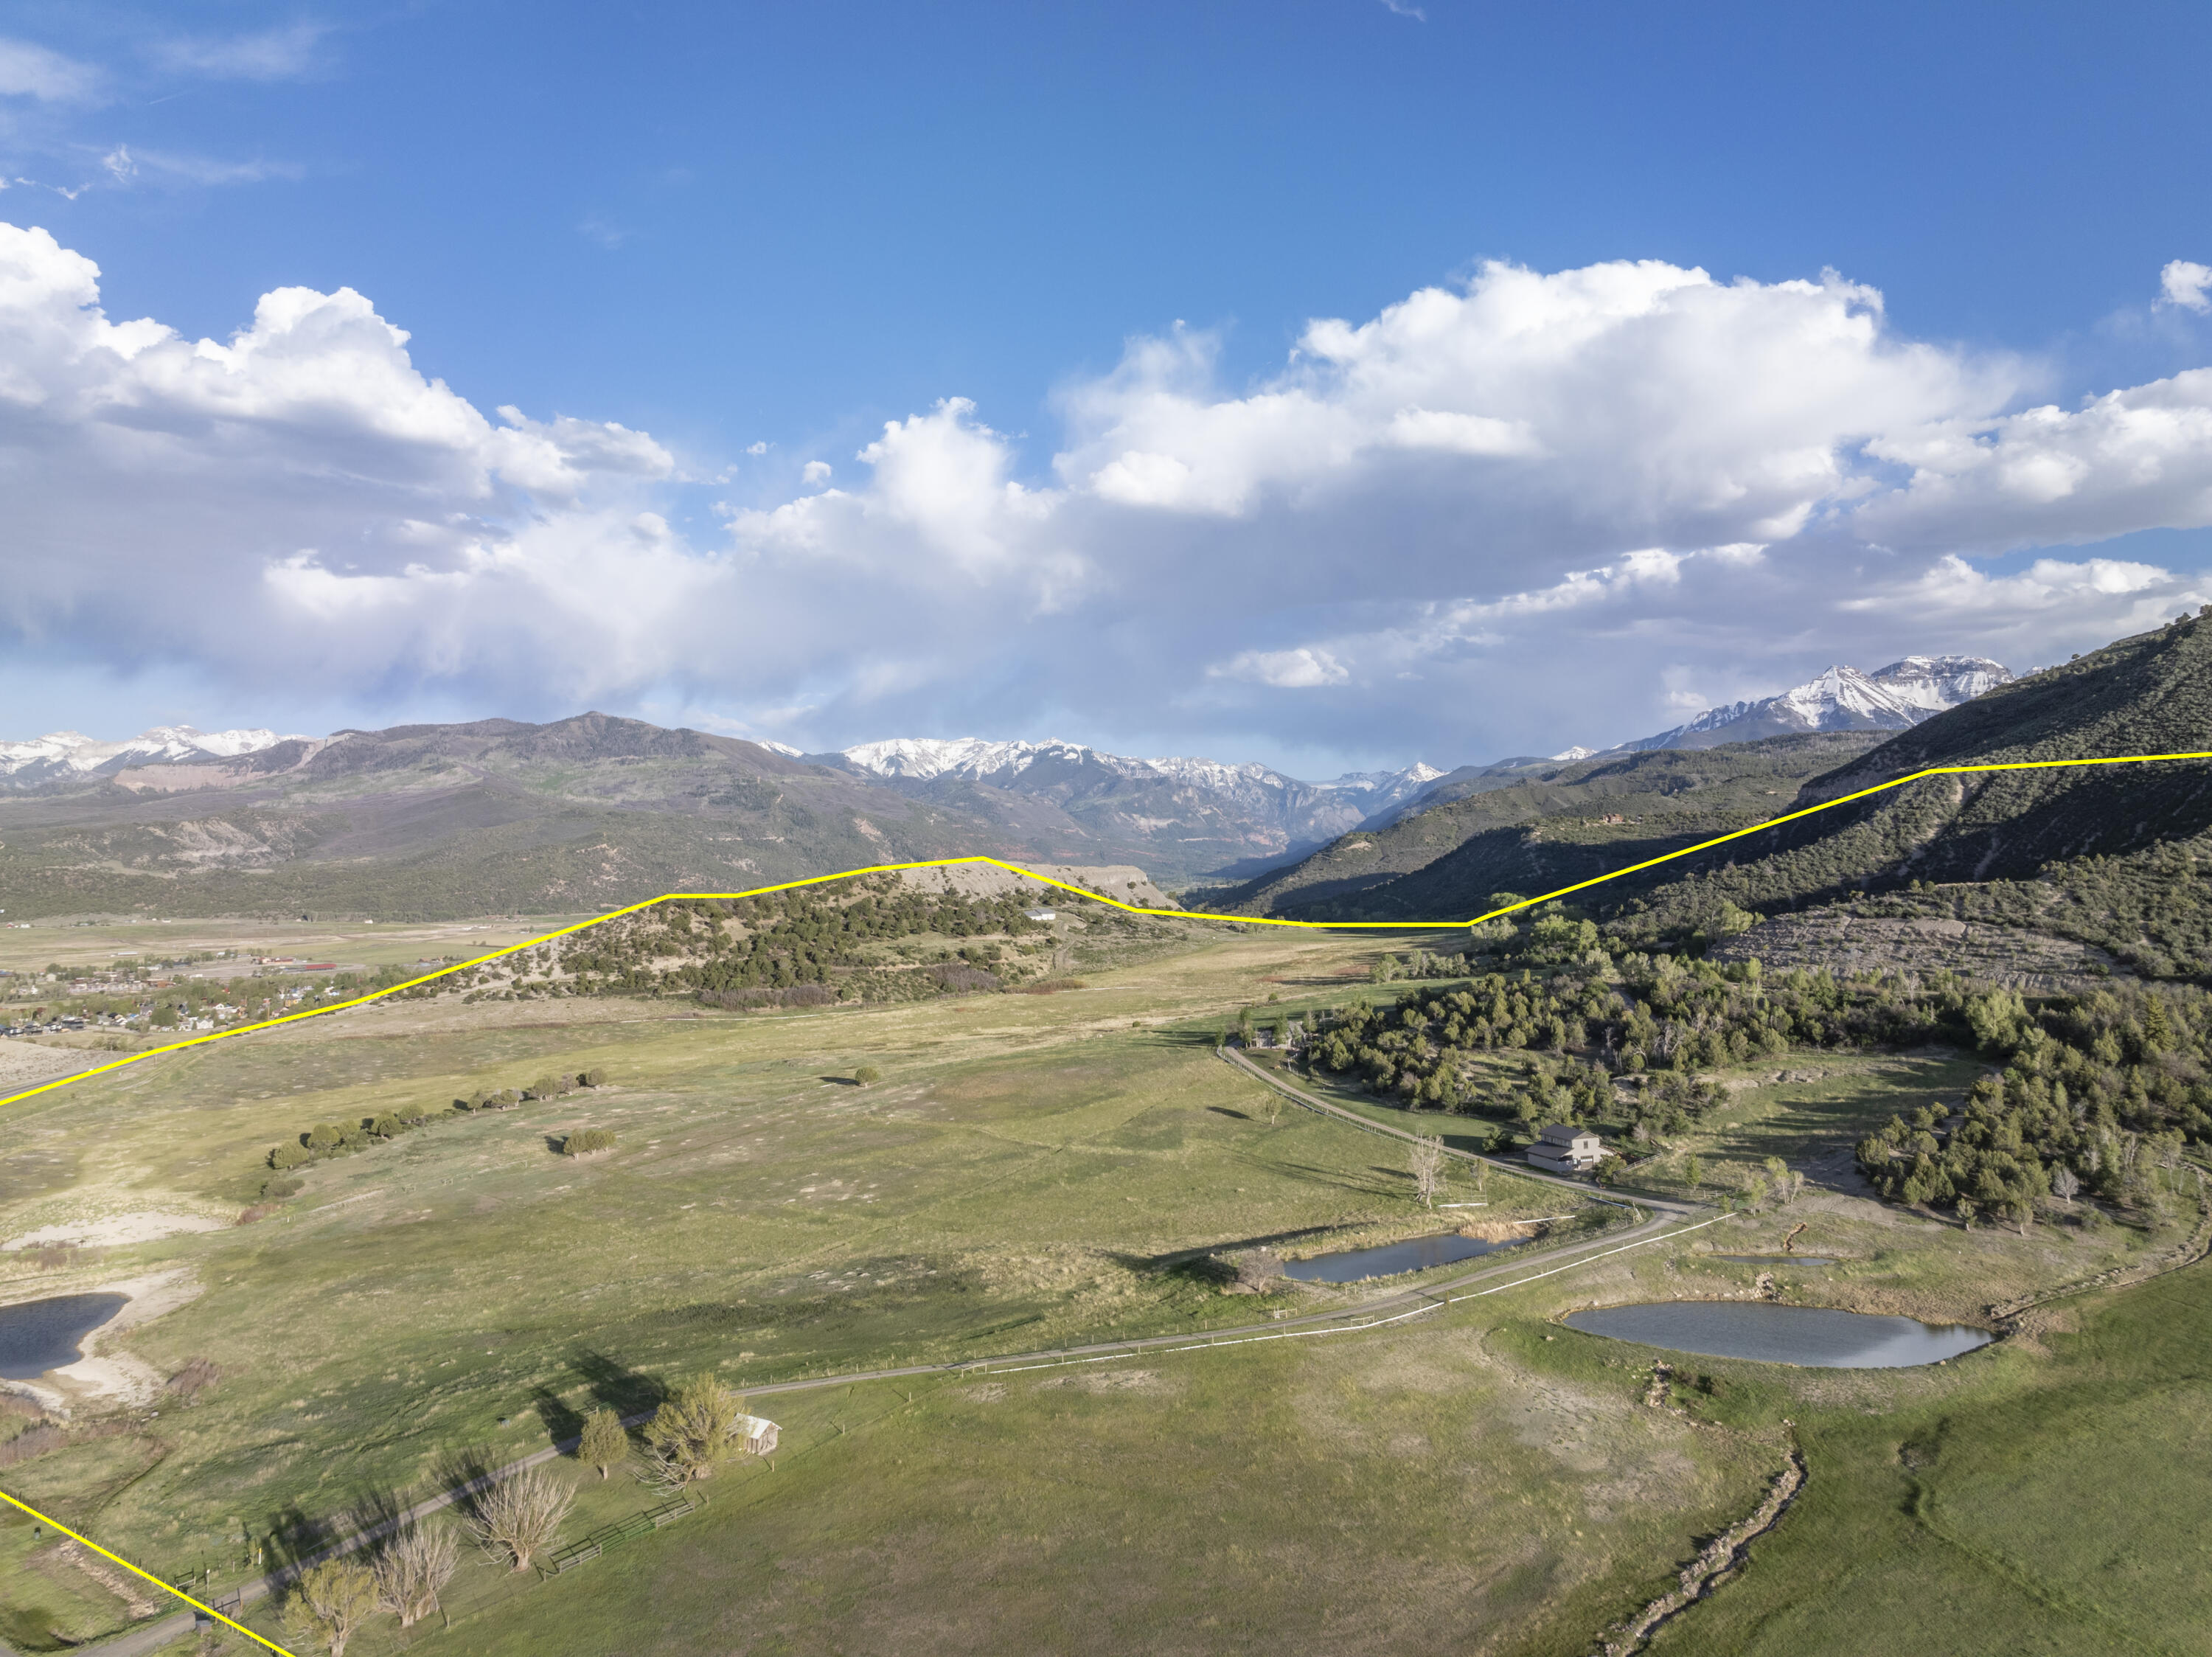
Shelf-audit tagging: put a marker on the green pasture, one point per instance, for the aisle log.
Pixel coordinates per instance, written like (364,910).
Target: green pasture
(1032,1171)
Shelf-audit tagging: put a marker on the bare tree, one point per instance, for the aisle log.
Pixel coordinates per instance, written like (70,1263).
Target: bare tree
(1426,1157)
(518,1517)
(693,1430)
(1258,1270)
(413,1569)
(2065,1183)
(331,1601)
(604,1445)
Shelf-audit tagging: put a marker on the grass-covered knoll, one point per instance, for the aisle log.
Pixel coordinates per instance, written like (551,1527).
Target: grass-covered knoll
(873,937)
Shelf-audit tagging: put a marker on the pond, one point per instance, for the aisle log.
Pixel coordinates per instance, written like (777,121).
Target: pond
(1819,1336)
(1415,1254)
(36,1336)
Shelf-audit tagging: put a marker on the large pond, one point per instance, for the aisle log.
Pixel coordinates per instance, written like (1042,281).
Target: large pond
(1818,1336)
(1415,1254)
(36,1336)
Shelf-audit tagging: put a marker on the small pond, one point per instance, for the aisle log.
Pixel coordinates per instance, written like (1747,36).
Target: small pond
(1816,1336)
(36,1336)
(1415,1254)
(1775,1259)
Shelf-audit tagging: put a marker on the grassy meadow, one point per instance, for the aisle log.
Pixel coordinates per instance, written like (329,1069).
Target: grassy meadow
(1031,1172)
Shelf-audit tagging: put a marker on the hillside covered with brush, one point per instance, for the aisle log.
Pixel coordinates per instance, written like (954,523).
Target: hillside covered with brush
(1572,823)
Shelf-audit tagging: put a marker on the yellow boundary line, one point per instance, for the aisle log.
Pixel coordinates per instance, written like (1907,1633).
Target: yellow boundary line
(1030,874)
(1096,897)
(206,1610)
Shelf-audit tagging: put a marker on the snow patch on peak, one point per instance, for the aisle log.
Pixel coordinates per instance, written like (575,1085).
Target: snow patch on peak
(73,754)
(1892,698)
(1574,753)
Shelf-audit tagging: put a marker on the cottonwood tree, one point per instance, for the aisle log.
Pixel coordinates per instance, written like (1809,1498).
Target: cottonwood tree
(694,1429)
(518,1517)
(1425,1158)
(604,1445)
(1784,1180)
(331,1601)
(411,1572)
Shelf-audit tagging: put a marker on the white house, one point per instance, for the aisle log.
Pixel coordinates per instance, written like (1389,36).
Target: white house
(1560,1149)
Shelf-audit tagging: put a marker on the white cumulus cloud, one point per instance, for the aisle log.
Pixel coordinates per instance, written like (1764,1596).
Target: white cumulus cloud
(1536,508)
(2183,283)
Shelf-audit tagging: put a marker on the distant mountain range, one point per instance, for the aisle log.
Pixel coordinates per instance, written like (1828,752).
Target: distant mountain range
(70,756)
(496,814)
(1117,797)
(1892,698)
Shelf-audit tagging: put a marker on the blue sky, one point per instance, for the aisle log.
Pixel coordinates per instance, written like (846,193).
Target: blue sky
(761,234)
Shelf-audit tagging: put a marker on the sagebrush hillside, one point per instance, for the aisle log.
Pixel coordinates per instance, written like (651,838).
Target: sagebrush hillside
(426,822)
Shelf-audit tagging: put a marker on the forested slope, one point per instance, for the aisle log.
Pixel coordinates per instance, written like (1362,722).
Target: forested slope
(2115,855)
(1580,821)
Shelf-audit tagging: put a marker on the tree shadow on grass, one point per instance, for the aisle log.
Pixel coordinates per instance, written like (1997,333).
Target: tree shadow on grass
(561,1422)
(466,1468)
(294,1535)
(615,1385)
(376,1513)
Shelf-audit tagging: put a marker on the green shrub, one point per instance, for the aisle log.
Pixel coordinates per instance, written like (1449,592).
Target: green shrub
(289,1156)
(591,1078)
(387,1126)
(323,1137)
(275,1190)
(867,1075)
(584,1141)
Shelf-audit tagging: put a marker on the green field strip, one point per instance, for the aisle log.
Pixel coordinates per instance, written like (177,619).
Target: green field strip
(1097,897)
(170,1588)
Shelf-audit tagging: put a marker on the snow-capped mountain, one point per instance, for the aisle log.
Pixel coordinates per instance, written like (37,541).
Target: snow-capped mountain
(1891,698)
(71,755)
(1259,807)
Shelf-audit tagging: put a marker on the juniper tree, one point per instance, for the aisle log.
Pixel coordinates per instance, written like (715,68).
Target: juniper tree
(605,1444)
(694,1429)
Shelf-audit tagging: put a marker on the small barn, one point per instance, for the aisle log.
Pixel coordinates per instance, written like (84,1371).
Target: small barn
(758,1434)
